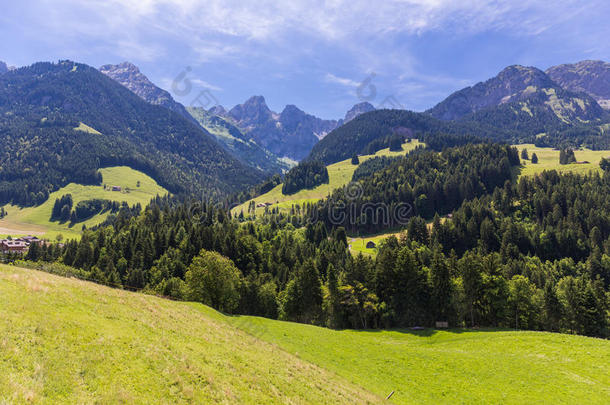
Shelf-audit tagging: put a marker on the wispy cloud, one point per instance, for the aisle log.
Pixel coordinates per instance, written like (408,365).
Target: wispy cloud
(247,45)
(331,78)
(206,85)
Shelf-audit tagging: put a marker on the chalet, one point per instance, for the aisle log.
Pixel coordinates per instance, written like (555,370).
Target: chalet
(116,188)
(370,245)
(30,239)
(13,246)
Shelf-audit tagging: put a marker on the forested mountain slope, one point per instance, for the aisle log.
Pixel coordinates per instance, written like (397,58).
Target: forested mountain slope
(59,123)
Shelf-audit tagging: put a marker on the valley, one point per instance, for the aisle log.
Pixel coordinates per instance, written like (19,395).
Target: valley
(381,214)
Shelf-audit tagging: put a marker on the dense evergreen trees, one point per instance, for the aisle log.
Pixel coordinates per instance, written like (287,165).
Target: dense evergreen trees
(308,174)
(421,184)
(566,156)
(532,254)
(42,148)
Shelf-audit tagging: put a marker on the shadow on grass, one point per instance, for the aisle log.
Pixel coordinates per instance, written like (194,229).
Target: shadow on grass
(429,332)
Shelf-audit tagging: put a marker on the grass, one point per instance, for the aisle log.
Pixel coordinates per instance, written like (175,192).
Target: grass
(339,175)
(35,220)
(548,159)
(70,341)
(86,128)
(358,244)
(453,366)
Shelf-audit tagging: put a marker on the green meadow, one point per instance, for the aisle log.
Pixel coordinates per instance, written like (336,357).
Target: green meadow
(36,220)
(339,175)
(71,341)
(548,159)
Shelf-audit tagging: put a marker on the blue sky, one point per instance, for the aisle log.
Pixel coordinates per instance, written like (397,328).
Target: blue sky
(323,56)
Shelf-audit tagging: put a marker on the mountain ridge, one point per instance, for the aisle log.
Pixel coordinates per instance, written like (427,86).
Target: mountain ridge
(66,120)
(588,76)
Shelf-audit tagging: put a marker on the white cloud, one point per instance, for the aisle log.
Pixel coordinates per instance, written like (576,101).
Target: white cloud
(331,78)
(203,22)
(206,85)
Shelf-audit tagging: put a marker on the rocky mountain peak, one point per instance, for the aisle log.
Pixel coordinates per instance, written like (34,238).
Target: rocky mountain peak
(588,76)
(129,75)
(513,83)
(218,110)
(358,109)
(253,112)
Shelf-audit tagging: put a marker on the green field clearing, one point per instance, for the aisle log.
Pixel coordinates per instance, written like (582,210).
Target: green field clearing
(86,128)
(339,175)
(35,220)
(358,244)
(71,341)
(548,159)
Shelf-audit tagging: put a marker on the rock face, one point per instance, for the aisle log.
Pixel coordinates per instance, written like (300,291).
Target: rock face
(589,76)
(291,133)
(130,76)
(525,90)
(233,139)
(358,109)
(512,83)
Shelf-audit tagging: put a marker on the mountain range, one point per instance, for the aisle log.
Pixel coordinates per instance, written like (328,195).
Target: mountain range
(520,104)
(61,122)
(291,133)
(251,131)
(64,121)
(523,90)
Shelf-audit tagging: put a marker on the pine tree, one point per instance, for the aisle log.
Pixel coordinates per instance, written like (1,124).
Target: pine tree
(441,286)
(534,158)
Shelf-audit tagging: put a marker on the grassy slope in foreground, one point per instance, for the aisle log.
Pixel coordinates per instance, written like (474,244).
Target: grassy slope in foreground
(65,340)
(35,220)
(69,341)
(453,366)
(339,175)
(548,159)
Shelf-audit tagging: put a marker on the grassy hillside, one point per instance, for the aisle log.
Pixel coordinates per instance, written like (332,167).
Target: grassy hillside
(35,220)
(69,341)
(453,366)
(339,174)
(548,159)
(65,340)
